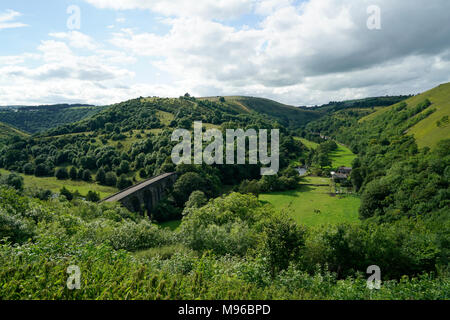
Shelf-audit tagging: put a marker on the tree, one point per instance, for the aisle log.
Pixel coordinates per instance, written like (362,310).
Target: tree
(93,196)
(184,186)
(13,180)
(196,200)
(101,176)
(373,200)
(124,167)
(111,179)
(123,182)
(66,193)
(73,173)
(41,170)
(62,174)
(28,169)
(324,160)
(357,179)
(284,240)
(87,176)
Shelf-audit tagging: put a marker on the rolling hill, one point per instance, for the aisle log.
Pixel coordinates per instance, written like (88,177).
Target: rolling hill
(285,114)
(33,119)
(7,131)
(426,131)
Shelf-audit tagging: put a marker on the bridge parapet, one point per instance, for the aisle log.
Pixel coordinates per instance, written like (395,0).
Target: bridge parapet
(144,195)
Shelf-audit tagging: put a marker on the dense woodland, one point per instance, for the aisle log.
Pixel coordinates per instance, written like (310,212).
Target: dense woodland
(229,245)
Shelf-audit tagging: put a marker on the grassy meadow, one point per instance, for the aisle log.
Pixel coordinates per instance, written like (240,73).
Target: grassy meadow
(342,157)
(307,143)
(313,203)
(55,185)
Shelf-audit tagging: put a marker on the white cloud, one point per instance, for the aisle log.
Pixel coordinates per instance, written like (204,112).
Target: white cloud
(76,39)
(61,75)
(320,49)
(217,9)
(7,20)
(306,52)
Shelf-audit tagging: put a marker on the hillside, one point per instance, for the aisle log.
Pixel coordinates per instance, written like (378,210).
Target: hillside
(374,102)
(33,119)
(427,132)
(285,114)
(7,131)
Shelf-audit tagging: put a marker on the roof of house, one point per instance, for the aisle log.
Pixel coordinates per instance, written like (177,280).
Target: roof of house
(339,176)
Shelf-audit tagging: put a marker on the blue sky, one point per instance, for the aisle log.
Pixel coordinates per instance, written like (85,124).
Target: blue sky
(297,52)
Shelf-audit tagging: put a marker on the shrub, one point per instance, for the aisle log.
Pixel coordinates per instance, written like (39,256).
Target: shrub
(62,174)
(13,180)
(66,193)
(87,175)
(111,179)
(93,196)
(123,182)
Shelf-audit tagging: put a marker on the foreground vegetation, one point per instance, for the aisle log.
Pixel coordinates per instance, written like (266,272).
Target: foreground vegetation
(233,248)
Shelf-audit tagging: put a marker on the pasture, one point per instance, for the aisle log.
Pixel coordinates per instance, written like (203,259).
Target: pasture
(55,185)
(313,204)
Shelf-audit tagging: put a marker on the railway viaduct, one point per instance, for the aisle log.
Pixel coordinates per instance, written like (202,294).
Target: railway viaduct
(146,195)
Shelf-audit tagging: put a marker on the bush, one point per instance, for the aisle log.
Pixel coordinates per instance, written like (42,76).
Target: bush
(62,174)
(111,179)
(66,193)
(28,169)
(87,175)
(93,196)
(14,228)
(124,182)
(13,180)
(73,173)
(101,176)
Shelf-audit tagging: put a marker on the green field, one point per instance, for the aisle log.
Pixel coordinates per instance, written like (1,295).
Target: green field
(342,157)
(55,185)
(313,203)
(307,143)
(302,204)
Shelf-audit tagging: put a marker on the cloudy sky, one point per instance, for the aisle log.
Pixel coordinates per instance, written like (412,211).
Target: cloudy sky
(300,52)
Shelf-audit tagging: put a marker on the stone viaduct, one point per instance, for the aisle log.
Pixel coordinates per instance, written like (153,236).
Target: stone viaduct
(146,195)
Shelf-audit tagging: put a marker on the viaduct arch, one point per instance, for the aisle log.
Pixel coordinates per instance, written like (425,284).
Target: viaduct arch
(146,195)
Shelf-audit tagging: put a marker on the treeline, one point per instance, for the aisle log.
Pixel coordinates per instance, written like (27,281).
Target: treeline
(334,106)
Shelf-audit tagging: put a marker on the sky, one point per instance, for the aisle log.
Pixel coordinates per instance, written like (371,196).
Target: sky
(299,52)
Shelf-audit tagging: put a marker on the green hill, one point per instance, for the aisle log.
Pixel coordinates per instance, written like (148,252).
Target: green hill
(7,131)
(34,119)
(285,114)
(432,123)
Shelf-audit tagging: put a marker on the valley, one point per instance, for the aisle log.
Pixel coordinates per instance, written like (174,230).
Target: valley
(227,224)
